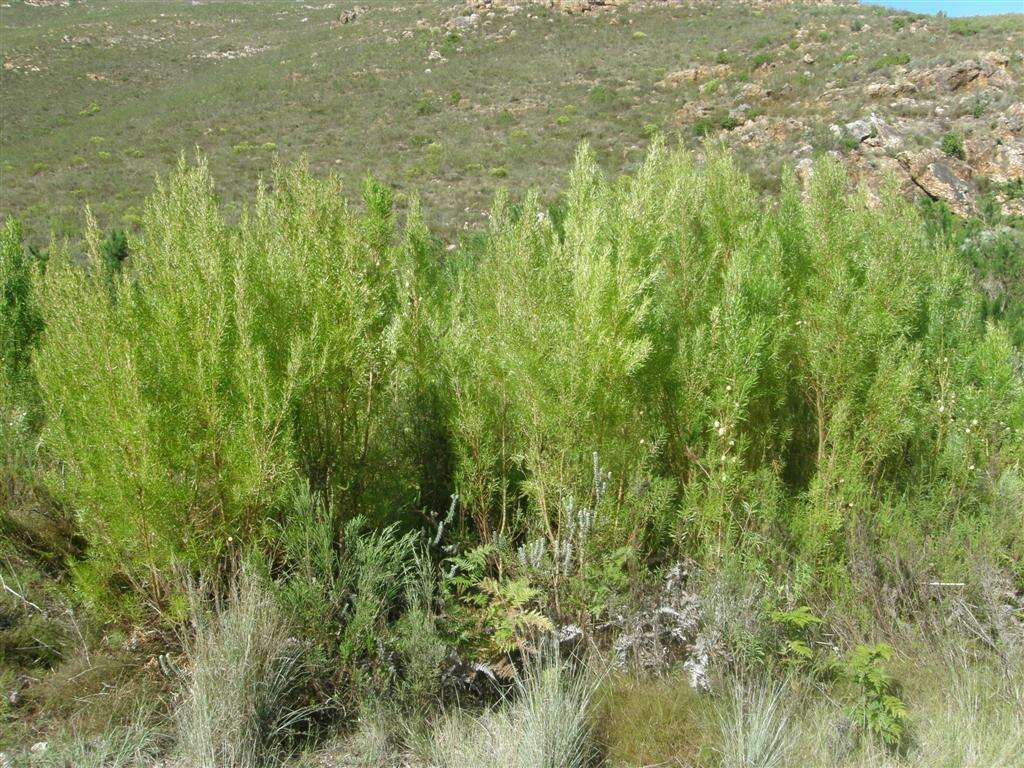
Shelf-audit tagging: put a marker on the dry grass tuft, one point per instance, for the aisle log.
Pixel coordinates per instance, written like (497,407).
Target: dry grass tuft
(243,669)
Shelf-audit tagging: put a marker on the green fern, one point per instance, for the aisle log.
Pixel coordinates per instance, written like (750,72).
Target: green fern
(878,711)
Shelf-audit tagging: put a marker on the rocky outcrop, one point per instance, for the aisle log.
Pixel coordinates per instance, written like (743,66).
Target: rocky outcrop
(942,178)
(968,75)
(766,131)
(890,89)
(696,74)
(998,159)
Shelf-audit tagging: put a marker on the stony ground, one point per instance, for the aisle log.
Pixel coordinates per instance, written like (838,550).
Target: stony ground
(449,102)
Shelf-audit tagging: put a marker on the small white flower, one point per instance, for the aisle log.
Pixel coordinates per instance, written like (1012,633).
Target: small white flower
(721,431)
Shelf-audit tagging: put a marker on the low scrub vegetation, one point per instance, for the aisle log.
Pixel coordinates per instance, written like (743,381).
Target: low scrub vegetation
(363,478)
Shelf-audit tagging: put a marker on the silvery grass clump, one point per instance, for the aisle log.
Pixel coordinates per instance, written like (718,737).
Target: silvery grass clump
(243,669)
(544,723)
(755,726)
(127,746)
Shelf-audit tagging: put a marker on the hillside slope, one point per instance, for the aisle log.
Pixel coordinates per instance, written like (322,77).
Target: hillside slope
(451,102)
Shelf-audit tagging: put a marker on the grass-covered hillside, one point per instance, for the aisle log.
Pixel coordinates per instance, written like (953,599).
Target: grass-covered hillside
(452,102)
(565,438)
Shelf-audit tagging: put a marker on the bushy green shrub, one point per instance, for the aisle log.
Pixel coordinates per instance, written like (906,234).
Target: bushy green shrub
(20,320)
(114,250)
(953,145)
(24,513)
(995,254)
(186,400)
(798,374)
(361,601)
(548,355)
(663,361)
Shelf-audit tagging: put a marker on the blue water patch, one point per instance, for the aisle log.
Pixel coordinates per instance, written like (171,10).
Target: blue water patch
(953,7)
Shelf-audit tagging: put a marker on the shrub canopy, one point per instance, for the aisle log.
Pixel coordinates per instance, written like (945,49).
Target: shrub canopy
(666,361)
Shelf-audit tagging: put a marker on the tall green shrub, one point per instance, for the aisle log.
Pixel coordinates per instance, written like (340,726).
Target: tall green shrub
(20,326)
(20,321)
(804,376)
(667,356)
(549,348)
(227,362)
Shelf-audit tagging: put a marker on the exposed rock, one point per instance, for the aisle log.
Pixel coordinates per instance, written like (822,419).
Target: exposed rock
(1000,159)
(739,114)
(887,89)
(754,91)
(972,74)
(872,172)
(1012,119)
(465,22)
(349,16)
(882,136)
(764,130)
(996,59)
(942,178)
(805,171)
(565,6)
(872,131)
(695,74)
(243,53)
(691,112)
(858,130)
(1011,206)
